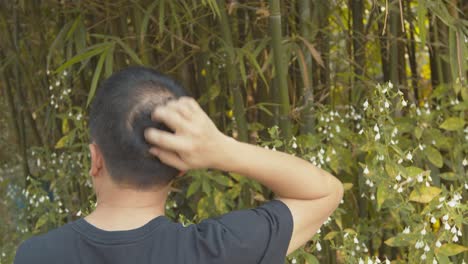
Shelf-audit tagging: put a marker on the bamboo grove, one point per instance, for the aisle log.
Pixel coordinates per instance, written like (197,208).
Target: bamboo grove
(252,65)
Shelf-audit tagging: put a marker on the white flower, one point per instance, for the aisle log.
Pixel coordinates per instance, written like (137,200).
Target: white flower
(294,145)
(404,103)
(452,203)
(400,190)
(365,105)
(434,261)
(438,244)
(453,230)
(79,213)
(377,136)
(57,83)
(446,226)
(420,178)
(407,230)
(398,177)
(366,170)
(409,156)
(376,128)
(427,248)
(361,261)
(356,240)
(293,261)
(387,105)
(361,131)
(318,246)
(419,244)
(455,238)
(433,220)
(465,162)
(423,256)
(423,232)
(390,85)
(372,197)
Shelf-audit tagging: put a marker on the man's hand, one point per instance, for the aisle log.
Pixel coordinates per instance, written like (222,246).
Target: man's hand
(195,141)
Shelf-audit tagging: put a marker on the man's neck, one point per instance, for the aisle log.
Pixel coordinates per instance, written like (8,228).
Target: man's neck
(126,209)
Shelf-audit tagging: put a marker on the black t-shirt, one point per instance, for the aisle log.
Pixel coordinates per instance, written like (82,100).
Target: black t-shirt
(259,235)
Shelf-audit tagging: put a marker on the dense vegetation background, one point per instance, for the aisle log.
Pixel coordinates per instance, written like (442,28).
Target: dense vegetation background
(373,91)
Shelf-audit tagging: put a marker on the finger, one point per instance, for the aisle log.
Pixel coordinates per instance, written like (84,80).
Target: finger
(182,107)
(169,116)
(165,140)
(170,158)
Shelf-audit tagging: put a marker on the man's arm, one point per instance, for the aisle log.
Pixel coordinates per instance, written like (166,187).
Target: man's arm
(310,193)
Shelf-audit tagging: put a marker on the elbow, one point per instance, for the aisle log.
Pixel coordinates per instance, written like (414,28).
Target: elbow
(338,191)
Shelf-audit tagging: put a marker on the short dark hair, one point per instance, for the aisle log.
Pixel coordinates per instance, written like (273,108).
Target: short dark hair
(119,114)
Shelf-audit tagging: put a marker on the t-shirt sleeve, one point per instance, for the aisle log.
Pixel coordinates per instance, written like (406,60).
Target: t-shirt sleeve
(260,235)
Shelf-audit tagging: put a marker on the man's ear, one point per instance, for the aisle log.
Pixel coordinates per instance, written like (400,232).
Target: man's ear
(97,162)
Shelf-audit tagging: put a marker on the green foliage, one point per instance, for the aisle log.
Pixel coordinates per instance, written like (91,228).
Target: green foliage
(399,148)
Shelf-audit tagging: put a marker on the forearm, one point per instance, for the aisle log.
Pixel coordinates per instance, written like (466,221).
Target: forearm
(287,176)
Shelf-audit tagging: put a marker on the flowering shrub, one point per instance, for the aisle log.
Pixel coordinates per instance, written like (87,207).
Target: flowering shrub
(404,168)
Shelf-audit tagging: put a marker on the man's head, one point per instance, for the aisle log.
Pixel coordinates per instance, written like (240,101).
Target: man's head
(120,112)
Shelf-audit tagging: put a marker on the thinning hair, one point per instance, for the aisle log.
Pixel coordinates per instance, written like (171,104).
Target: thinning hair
(119,114)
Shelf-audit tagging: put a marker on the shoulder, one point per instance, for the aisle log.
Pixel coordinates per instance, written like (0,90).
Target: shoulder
(258,235)
(41,248)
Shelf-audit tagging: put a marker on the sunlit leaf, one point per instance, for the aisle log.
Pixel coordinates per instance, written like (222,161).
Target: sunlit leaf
(453,124)
(424,194)
(451,249)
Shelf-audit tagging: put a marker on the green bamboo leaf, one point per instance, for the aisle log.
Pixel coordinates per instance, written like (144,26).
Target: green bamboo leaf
(213,6)
(194,186)
(73,27)
(109,64)
(41,221)
(453,124)
(129,51)
(146,18)
(254,62)
(313,51)
(206,186)
(434,156)
(97,74)
(58,42)
(424,194)
(88,53)
(451,249)
(242,71)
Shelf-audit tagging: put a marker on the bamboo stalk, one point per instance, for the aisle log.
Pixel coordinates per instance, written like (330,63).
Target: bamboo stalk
(357,10)
(282,97)
(234,86)
(308,122)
